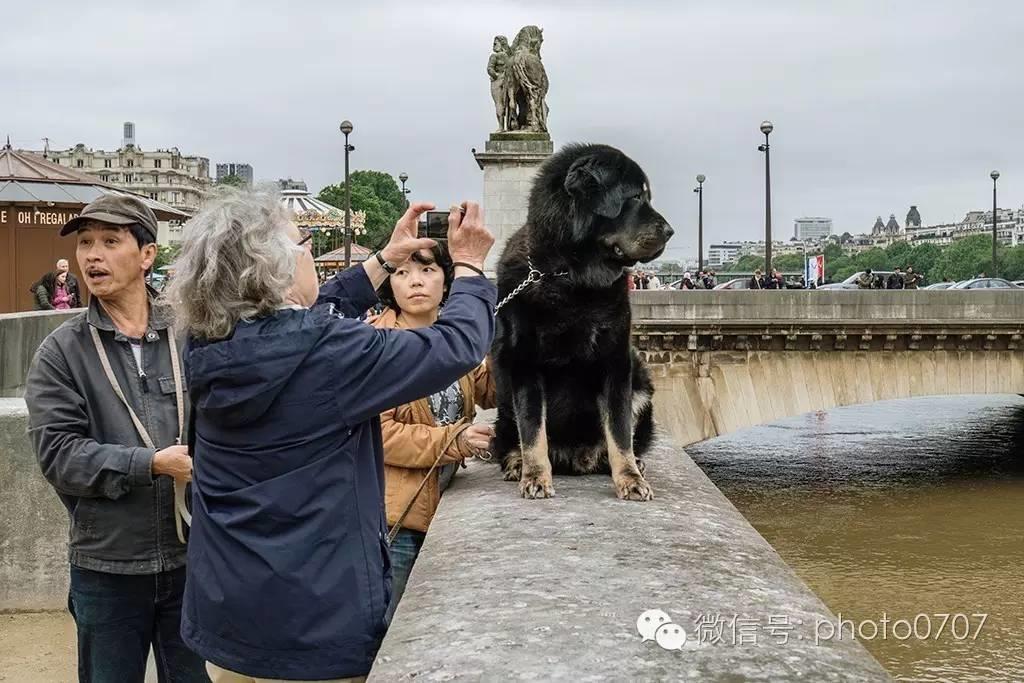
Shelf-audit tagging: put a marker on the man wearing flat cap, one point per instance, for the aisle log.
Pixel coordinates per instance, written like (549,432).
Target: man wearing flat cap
(107,414)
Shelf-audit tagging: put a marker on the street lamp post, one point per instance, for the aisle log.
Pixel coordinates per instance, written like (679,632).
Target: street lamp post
(346,128)
(700,221)
(766,128)
(995,176)
(403,176)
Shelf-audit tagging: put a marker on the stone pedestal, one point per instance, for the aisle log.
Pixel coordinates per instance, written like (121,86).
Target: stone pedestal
(509,162)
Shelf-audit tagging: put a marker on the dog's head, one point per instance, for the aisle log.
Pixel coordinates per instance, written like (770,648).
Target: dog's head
(610,206)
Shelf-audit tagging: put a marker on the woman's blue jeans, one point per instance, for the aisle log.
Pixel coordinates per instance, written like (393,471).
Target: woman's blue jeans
(404,550)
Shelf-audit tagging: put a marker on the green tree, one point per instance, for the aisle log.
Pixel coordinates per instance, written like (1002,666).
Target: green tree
(875,259)
(378,195)
(745,264)
(165,255)
(967,258)
(842,272)
(923,258)
(898,254)
(1012,264)
(833,252)
(231,180)
(789,263)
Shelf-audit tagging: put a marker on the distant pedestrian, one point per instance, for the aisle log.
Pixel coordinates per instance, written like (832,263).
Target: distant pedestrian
(866,280)
(686,282)
(655,282)
(72,282)
(757,281)
(911,279)
(895,281)
(42,291)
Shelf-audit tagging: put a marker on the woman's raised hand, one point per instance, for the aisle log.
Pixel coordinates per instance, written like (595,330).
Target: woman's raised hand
(469,240)
(404,242)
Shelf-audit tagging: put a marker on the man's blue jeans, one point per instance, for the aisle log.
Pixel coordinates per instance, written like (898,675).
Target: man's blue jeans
(118,616)
(404,550)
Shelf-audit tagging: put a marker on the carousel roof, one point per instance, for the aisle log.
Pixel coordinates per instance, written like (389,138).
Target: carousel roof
(301,201)
(312,212)
(29,179)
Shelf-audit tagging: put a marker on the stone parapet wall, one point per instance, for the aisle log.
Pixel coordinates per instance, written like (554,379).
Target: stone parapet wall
(33,523)
(550,590)
(20,336)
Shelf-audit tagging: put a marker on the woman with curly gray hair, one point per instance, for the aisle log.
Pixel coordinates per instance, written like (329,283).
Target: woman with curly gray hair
(288,569)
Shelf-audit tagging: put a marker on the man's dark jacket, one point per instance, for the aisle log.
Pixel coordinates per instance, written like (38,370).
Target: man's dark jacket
(122,517)
(288,570)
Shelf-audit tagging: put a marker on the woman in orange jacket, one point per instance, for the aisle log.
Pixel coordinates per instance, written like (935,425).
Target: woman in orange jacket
(435,429)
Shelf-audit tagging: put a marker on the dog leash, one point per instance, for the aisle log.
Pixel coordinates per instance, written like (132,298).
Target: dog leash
(401,518)
(533,276)
(181,512)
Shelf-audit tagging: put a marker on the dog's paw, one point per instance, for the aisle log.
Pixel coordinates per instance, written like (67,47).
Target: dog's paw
(633,487)
(536,486)
(513,469)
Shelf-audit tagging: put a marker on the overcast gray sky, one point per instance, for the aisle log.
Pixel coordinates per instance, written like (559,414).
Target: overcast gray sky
(876,105)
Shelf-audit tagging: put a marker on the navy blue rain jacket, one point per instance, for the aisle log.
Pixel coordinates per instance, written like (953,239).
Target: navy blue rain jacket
(288,570)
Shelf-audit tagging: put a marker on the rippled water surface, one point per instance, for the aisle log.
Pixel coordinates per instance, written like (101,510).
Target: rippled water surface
(898,509)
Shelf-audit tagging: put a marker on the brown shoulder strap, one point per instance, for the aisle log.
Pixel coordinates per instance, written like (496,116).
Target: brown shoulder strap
(180,508)
(408,506)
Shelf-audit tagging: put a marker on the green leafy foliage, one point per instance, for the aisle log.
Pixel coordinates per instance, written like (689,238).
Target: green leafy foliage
(231,180)
(165,255)
(968,258)
(965,258)
(375,193)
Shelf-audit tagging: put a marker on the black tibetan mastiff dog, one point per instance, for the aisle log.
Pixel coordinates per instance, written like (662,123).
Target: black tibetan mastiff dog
(574,397)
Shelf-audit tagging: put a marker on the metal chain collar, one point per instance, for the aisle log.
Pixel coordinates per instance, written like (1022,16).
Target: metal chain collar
(533,276)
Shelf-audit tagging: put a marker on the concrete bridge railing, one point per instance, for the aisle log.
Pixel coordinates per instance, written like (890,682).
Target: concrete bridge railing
(724,361)
(33,523)
(20,336)
(514,589)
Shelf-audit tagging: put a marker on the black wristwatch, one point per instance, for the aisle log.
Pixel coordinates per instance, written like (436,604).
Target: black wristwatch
(388,268)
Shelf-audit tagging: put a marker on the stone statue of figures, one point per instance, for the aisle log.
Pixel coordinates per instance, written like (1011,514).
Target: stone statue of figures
(498,68)
(528,83)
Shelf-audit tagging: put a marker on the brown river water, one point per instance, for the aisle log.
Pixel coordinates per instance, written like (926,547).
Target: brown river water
(900,510)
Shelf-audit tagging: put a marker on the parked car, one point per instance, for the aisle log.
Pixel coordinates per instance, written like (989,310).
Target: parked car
(851,282)
(1019,283)
(985,283)
(735,283)
(941,285)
